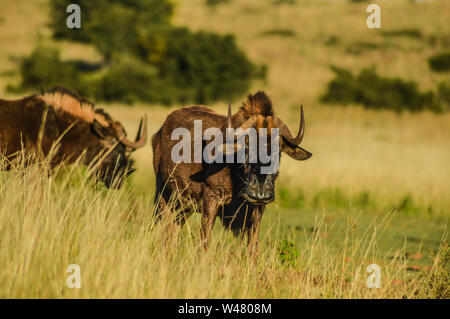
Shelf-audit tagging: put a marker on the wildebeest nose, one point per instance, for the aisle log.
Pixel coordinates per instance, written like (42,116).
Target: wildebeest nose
(262,194)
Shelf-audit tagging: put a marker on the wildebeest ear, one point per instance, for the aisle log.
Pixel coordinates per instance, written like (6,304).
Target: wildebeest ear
(99,130)
(296,152)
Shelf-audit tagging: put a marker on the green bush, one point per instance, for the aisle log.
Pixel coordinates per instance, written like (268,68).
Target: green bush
(373,91)
(204,66)
(444,93)
(358,47)
(112,26)
(279,32)
(44,68)
(216,2)
(409,33)
(130,81)
(277,2)
(145,58)
(333,41)
(440,62)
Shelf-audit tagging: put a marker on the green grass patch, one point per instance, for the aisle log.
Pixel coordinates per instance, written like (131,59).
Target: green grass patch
(337,199)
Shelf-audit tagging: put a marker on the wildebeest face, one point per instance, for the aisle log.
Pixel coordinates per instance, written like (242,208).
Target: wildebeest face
(115,163)
(259,187)
(115,167)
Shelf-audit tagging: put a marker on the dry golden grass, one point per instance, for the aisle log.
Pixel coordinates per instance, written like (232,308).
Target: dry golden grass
(48,223)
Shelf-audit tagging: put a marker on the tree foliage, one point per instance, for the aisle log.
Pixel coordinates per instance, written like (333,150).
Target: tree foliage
(373,91)
(145,58)
(440,62)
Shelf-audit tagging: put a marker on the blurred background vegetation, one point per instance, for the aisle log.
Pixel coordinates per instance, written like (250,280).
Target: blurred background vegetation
(161,63)
(319,54)
(167,64)
(376,105)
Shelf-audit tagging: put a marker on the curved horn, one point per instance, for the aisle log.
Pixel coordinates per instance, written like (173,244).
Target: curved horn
(286,133)
(247,124)
(141,140)
(229,115)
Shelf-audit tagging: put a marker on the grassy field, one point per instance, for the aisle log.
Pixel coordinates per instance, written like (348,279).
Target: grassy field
(377,189)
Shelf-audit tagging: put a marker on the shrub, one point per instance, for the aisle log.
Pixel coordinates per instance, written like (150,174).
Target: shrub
(112,26)
(279,32)
(145,57)
(203,66)
(444,93)
(277,2)
(410,33)
(373,91)
(358,47)
(332,41)
(130,81)
(216,2)
(440,62)
(44,68)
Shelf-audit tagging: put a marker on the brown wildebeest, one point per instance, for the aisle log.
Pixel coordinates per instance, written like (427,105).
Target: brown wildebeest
(34,124)
(237,192)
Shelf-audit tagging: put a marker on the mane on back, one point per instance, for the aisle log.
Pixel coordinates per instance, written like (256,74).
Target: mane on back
(64,99)
(257,104)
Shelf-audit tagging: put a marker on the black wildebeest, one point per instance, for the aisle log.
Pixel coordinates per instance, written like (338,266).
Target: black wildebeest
(237,192)
(35,123)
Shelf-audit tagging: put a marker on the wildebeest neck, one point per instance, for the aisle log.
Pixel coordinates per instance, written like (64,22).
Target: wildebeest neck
(76,138)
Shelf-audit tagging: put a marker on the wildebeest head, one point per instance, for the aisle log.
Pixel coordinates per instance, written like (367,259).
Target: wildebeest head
(108,147)
(114,159)
(258,179)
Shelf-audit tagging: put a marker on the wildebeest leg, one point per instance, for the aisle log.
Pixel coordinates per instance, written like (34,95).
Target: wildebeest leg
(210,210)
(253,231)
(162,196)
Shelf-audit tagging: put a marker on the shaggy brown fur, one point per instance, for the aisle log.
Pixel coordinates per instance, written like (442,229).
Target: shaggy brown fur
(88,132)
(216,187)
(258,103)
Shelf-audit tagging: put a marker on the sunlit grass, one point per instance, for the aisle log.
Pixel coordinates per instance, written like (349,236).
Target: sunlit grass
(375,191)
(48,223)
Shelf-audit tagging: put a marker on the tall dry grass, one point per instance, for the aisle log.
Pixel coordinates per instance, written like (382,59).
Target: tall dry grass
(47,223)
(50,222)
